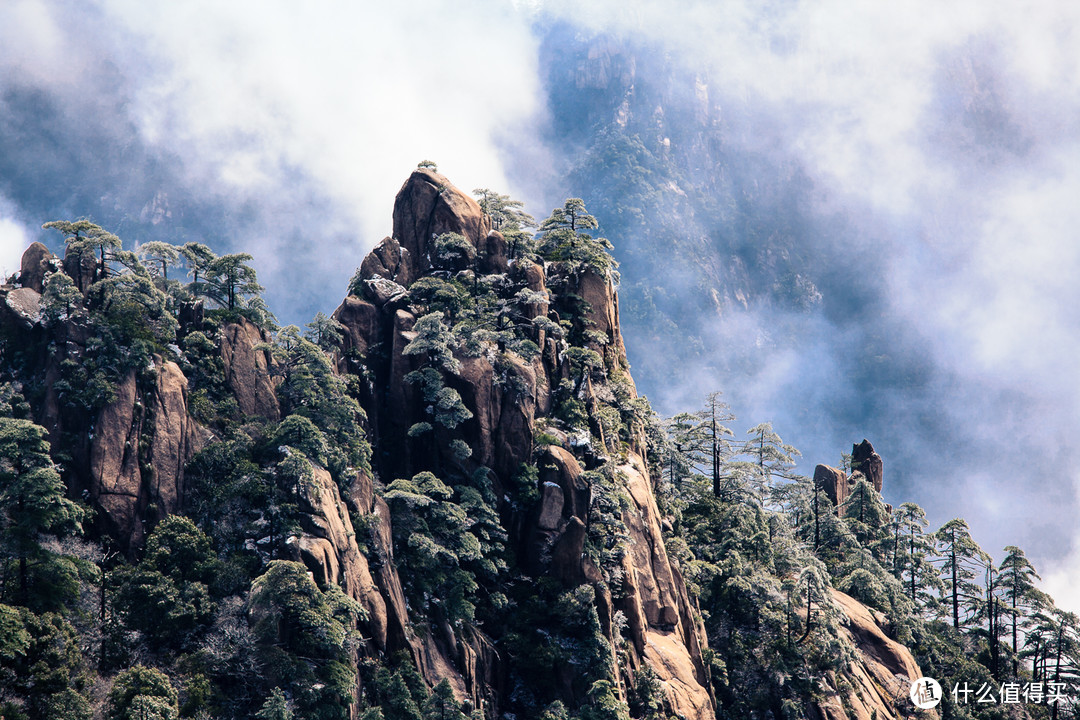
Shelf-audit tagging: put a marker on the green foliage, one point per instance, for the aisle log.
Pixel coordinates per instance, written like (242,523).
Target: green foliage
(444,547)
(33,503)
(83,236)
(230,281)
(276,707)
(608,536)
(325,332)
(166,597)
(453,252)
(142,693)
(441,704)
(310,388)
(508,217)
(161,256)
(41,663)
(962,562)
(61,301)
(563,238)
(306,638)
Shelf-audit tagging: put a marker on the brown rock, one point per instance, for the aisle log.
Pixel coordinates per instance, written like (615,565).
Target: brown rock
(551,506)
(176,438)
(670,659)
(880,678)
(832,482)
(37,262)
(566,555)
(247,370)
(427,206)
(388,260)
(381,291)
(494,253)
(116,480)
(361,321)
(513,438)
(327,546)
(533,276)
(868,462)
(559,467)
(475,382)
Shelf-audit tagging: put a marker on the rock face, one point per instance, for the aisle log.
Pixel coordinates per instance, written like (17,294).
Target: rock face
(247,370)
(832,482)
(882,676)
(868,462)
(151,424)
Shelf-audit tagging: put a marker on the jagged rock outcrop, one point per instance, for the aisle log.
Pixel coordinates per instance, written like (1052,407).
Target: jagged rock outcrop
(427,206)
(247,370)
(868,462)
(141,444)
(505,400)
(881,677)
(832,482)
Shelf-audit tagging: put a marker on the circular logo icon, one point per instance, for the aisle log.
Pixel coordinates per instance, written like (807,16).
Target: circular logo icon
(925,693)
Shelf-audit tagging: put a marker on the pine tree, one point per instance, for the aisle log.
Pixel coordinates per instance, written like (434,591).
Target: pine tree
(161,255)
(276,707)
(33,503)
(83,236)
(962,559)
(229,281)
(911,554)
(1016,580)
(563,238)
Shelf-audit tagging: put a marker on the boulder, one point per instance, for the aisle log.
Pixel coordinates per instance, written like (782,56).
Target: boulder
(37,262)
(361,321)
(24,304)
(381,291)
(832,482)
(868,462)
(427,206)
(247,370)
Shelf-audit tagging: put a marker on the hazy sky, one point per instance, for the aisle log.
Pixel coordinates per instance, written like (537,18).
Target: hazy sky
(945,136)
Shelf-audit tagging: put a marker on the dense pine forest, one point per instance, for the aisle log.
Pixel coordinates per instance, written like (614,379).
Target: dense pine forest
(447,500)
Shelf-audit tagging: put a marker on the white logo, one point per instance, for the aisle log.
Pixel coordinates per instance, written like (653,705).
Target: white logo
(925,693)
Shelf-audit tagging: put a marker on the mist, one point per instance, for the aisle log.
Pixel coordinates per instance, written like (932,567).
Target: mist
(935,148)
(251,126)
(940,148)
